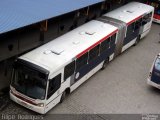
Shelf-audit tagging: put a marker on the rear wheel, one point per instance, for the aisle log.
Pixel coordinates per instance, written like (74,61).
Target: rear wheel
(137,40)
(65,94)
(105,64)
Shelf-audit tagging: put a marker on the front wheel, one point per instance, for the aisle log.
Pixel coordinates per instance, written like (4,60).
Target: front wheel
(63,96)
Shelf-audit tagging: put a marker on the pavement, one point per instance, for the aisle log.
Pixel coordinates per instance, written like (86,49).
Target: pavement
(119,89)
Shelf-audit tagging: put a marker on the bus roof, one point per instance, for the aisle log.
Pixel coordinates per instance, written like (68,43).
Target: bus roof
(130,12)
(61,51)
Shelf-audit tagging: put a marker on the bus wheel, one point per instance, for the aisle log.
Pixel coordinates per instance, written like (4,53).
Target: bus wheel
(137,40)
(105,64)
(63,96)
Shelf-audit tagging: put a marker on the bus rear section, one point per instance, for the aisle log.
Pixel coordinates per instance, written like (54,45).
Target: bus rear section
(138,19)
(156,5)
(154,75)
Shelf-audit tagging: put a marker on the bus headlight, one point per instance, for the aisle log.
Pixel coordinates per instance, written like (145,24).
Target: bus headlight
(40,104)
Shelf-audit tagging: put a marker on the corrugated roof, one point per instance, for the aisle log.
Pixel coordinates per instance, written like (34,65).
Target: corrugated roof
(15,14)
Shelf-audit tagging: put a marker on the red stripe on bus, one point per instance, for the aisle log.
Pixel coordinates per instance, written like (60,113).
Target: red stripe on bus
(134,20)
(82,53)
(22,98)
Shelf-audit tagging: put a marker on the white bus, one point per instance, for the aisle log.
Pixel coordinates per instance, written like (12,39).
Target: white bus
(154,75)
(43,77)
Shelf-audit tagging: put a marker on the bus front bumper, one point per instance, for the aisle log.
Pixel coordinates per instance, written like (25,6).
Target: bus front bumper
(149,82)
(37,109)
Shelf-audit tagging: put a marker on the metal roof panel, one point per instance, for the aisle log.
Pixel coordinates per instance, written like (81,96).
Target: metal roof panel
(15,14)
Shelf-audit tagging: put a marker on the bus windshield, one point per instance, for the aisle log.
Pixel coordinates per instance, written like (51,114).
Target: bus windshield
(29,82)
(157,64)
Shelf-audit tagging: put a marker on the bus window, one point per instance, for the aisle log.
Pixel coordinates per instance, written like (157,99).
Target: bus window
(69,70)
(93,53)
(80,62)
(29,82)
(157,64)
(138,24)
(146,18)
(130,29)
(104,45)
(150,14)
(113,39)
(54,85)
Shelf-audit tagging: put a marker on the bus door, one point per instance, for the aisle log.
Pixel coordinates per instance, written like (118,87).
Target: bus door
(53,92)
(155,76)
(81,67)
(133,30)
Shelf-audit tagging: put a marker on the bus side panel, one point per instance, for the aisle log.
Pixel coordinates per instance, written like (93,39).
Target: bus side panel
(53,102)
(146,28)
(144,33)
(130,39)
(87,76)
(54,99)
(87,68)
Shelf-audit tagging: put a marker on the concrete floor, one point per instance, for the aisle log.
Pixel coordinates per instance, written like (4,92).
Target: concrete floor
(119,89)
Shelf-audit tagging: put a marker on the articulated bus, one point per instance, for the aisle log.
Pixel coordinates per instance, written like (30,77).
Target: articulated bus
(154,75)
(156,5)
(43,77)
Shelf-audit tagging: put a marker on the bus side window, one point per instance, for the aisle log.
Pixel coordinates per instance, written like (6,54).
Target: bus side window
(130,28)
(105,45)
(113,39)
(80,62)
(150,14)
(69,70)
(93,53)
(54,85)
(147,18)
(138,24)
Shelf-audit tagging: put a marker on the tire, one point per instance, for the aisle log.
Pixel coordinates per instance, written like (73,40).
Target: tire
(63,96)
(137,40)
(105,64)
